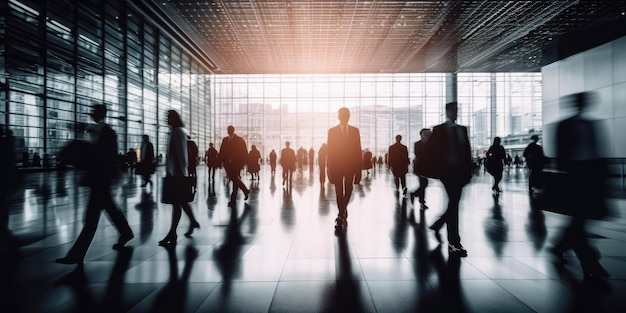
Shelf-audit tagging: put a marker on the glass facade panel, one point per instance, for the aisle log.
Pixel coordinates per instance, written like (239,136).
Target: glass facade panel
(95,54)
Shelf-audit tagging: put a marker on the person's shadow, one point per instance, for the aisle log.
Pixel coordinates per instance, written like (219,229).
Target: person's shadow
(400,226)
(536,225)
(146,208)
(496,228)
(171,297)
(346,290)
(287,211)
(113,297)
(451,298)
(226,256)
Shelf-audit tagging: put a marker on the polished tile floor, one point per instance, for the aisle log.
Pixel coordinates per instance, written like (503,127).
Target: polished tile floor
(277,252)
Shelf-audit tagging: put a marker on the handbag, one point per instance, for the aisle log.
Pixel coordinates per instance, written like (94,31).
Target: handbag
(178,189)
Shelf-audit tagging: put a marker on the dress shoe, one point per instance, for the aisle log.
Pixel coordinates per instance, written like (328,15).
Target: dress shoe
(68,260)
(246,194)
(168,241)
(191,228)
(122,241)
(423,206)
(457,249)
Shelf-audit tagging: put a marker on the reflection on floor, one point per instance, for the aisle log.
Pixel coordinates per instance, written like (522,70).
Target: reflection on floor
(277,251)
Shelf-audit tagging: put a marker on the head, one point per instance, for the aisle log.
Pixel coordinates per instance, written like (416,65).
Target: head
(98,112)
(174,119)
(287,143)
(231,130)
(210,145)
(398,138)
(497,141)
(581,101)
(425,134)
(253,147)
(534,138)
(452,110)
(344,116)
(145,138)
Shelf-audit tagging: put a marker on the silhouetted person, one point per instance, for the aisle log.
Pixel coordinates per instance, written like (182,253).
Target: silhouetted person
(147,163)
(36,160)
(448,158)
(399,163)
(288,162)
(254,156)
(534,160)
(131,159)
(418,150)
(344,161)
(311,158)
(495,163)
(212,160)
(8,182)
(273,158)
(233,155)
(301,155)
(176,165)
(322,154)
(380,161)
(101,170)
(367,161)
(577,154)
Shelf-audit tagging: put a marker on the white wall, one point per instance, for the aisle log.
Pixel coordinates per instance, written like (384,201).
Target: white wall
(601,70)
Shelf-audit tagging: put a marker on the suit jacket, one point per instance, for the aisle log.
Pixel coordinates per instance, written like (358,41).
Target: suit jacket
(102,167)
(344,152)
(399,159)
(233,153)
(436,161)
(288,159)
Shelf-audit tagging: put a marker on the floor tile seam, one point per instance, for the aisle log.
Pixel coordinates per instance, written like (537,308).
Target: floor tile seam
(512,295)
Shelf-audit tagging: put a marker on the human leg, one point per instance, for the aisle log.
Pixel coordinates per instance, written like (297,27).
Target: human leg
(170,238)
(193,223)
(77,252)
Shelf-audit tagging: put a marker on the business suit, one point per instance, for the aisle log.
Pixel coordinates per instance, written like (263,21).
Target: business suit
(100,171)
(448,153)
(578,156)
(288,163)
(233,155)
(399,163)
(343,163)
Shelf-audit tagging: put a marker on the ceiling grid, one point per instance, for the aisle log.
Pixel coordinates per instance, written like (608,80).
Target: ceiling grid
(381,36)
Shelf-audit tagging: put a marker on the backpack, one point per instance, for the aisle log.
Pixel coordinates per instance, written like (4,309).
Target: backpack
(192,156)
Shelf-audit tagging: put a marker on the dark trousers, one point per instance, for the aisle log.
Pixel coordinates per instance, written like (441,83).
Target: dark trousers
(233,175)
(451,216)
(575,237)
(399,180)
(99,199)
(421,191)
(343,191)
(535,179)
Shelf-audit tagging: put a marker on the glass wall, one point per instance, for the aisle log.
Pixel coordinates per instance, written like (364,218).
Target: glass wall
(268,110)
(60,57)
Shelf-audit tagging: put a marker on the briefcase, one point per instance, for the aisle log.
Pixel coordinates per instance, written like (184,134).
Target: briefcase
(178,189)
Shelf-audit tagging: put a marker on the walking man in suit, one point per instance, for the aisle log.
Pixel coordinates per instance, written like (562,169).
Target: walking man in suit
(233,155)
(343,162)
(100,172)
(418,150)
(448,158)
(288,163)
(399,163)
